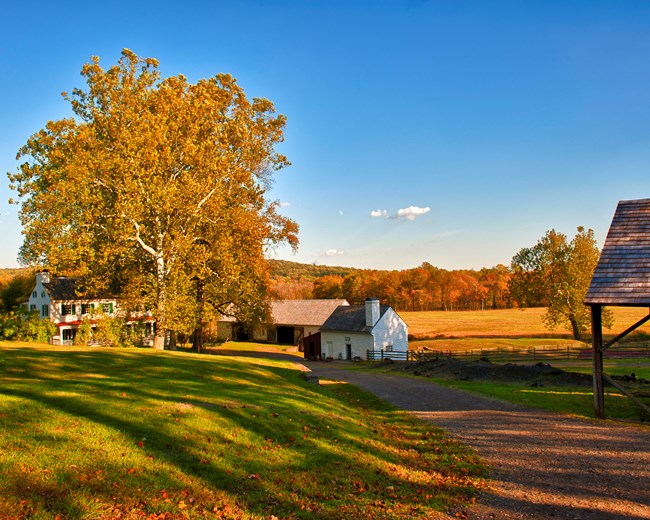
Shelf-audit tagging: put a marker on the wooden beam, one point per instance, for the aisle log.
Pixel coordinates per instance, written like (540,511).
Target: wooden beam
(629,394)
(625,332)
(597,359)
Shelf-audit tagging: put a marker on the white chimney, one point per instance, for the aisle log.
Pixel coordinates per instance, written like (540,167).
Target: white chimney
(372,311)
(44,276)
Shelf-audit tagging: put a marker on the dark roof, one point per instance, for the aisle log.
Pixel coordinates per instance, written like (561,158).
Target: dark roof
(622,276)
(61,288)
(64,288)
(350,318)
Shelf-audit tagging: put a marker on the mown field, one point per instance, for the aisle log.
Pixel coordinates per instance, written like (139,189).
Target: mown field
(507,328)
(513,323)
(137,433)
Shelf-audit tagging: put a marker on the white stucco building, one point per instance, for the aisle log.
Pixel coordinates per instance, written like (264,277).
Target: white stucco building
(352,330)
(56,299)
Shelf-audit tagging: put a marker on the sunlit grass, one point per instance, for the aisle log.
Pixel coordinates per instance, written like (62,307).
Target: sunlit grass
(102,433)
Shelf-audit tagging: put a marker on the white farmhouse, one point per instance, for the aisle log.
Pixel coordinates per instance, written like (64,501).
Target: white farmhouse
(352,330)
(56,299)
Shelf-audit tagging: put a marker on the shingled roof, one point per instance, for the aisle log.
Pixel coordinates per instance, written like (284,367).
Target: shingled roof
(298,312)
(303,312)
(622,276)
(350,318)
(62,288)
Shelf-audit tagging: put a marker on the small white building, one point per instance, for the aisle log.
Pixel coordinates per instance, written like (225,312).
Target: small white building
(352,330)
(56,299)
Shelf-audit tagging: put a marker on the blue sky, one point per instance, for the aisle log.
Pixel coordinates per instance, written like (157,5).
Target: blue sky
(485,123)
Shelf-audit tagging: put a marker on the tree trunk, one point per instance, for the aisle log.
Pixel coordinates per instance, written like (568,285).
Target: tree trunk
(577,335)
(198,337)
(198,331)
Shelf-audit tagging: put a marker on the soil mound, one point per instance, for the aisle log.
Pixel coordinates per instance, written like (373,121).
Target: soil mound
(483,370)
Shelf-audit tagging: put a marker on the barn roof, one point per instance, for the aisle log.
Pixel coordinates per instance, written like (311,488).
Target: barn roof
(303,312)
(622,276)
(298,312)
(350,318)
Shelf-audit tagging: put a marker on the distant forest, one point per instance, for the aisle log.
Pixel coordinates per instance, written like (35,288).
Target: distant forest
(423,288)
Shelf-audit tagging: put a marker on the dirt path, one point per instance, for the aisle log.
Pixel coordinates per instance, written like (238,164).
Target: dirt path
(545,465)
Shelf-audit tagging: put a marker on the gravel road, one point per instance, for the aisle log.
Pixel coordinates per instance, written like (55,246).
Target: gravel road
(544,465)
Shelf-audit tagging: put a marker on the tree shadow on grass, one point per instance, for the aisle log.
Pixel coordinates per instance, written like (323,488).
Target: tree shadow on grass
(263,407)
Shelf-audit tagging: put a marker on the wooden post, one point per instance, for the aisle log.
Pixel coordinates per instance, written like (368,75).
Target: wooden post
(597,359)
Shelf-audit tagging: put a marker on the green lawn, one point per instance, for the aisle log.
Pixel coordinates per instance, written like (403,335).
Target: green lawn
(563,399)
(108,433)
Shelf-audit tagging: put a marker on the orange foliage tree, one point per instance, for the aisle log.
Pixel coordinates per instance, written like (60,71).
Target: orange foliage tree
(156,189)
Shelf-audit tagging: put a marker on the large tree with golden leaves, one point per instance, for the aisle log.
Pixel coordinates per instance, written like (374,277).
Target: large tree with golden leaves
(156,189)
(556,273)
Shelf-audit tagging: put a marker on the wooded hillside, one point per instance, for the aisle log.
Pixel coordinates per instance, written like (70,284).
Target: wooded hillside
(421,288)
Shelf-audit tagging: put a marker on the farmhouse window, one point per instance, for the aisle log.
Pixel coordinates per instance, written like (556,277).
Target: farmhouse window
(67,308)
(45,311)
(32,307)
(107,307)
(86,308)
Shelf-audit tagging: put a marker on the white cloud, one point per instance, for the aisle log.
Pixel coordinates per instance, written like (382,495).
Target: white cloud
(285,204)
(412,212)
(334,252)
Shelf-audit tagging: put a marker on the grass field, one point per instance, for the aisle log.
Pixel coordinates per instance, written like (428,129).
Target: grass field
(126,433)
(506,323)
(576,401)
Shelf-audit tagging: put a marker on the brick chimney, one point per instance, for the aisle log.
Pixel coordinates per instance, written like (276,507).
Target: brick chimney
(372,311)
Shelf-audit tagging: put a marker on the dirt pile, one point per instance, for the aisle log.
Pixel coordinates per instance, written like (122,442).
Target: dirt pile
(482,369)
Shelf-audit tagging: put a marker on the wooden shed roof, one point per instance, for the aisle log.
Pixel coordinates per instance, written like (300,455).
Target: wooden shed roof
(622,276)
(350,318)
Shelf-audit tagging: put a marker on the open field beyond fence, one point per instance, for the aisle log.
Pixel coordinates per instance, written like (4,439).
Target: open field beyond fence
(515,334)
(505,323)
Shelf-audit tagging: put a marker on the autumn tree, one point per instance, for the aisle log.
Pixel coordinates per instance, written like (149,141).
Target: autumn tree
(558,272)
(328,286)
(156,189)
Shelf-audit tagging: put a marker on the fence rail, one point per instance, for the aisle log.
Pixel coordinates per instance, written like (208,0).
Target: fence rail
(504,354)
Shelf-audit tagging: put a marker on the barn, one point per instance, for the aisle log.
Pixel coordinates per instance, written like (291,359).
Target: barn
(290,321)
